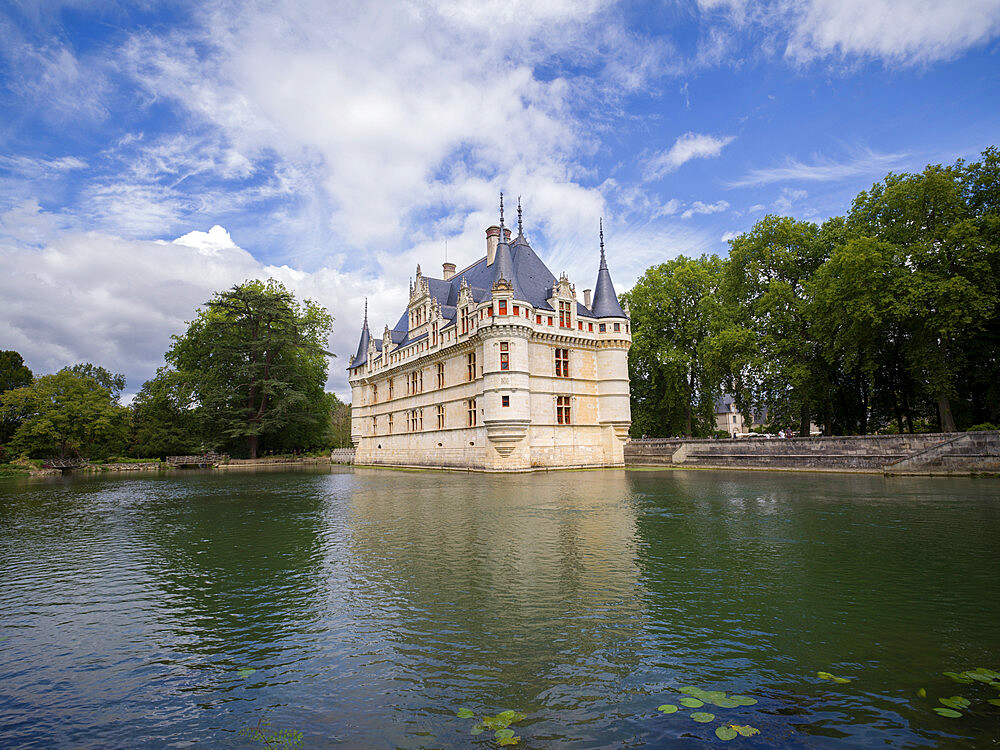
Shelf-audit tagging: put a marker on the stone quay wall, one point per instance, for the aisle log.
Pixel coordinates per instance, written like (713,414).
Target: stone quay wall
(342,456)
(934,453)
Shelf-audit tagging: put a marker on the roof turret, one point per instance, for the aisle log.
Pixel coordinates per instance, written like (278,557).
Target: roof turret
(606,303)
(362,356)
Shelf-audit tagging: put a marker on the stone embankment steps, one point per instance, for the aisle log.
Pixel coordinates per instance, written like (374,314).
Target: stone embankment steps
(941,453)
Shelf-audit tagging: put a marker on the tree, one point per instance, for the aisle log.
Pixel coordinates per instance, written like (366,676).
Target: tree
(165,417)
(114,382)
(13,374)
(256,360)
(65,413)
(775,361)
(675,310)
(341,422)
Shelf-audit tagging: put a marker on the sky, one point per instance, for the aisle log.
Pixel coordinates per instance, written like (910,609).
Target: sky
(154,153)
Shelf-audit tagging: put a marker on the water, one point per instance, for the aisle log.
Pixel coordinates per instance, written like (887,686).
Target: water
(373,604)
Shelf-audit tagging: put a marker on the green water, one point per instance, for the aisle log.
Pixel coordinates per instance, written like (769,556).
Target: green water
(372,605)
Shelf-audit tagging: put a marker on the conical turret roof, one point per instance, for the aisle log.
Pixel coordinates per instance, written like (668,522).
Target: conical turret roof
(606,304)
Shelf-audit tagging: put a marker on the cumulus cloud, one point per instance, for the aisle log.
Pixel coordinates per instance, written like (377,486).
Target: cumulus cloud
(72,296)
(686,147)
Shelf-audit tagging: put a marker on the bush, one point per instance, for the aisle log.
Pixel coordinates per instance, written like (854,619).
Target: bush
(985,426)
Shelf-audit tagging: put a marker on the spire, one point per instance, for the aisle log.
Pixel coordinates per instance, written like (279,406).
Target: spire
(606,303)
(362,356)
(604,262)
(520,228)
(503,235)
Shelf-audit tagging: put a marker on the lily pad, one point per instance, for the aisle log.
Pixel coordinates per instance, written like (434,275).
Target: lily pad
(834,678)
(994,701)
(465,713)
(477,730)
(703,717)
(691,702)
(961,678)
(726,733)
(955,701)
(744,700)
(509,741)
(710,696)
(667,708)
(726,703)
(690,690)
(502,734)
(922,693)
(991,673)
(948,712)
(745,730)
(246,672)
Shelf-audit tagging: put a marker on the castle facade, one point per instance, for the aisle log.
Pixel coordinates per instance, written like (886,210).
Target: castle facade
(497,367)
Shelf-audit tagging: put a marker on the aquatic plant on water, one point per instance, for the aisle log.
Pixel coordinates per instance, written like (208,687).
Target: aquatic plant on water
(286,739)
(696,697)
(956,706)
(499,725)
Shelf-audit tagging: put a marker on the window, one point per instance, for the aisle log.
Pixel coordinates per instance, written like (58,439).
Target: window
(618,326)
(390,423)
(390,389)
(470,362)
(564,316)
(603,327)
(562,410)
(550,320)
(420,380)
(538,319)
(590,327)
(517,309)
(420,415)
(562,363)
(470,405)
(503,307)
(374,424)
(374,394)
(504,355)
(440,374)
(579,323)
(465,320)
(505,401)
(440,417)
(434,335)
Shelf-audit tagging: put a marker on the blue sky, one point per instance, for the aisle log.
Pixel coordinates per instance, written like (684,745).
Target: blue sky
(152,153)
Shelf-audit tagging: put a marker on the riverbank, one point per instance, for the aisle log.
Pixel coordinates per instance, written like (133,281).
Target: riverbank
(963,453)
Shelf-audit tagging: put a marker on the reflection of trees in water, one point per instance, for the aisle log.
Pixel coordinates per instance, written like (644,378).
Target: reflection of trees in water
(517,583)
(236,559)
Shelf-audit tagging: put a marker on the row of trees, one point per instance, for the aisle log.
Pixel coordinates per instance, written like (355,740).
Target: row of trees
(885,319)
(246,377)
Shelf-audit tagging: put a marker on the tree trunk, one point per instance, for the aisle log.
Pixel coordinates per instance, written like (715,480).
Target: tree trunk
(252,442)
(804,421)
(944,411)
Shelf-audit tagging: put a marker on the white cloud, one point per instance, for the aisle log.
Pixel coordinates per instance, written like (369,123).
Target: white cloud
(788,198)
(73,296)
(905,32)
(686,147)
(726,236)
(699,207)
(822,169)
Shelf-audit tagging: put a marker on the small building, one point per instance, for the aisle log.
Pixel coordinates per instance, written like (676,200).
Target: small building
(497,367)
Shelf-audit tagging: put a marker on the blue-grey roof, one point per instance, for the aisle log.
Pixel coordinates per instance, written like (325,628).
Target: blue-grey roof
(530,278)
(605,303)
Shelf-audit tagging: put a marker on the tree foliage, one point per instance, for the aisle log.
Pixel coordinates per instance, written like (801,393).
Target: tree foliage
(256,362)
(65,414)
(165,417)
(13,374)
(885,318)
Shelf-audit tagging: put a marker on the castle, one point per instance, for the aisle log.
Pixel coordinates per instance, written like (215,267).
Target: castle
(496,368)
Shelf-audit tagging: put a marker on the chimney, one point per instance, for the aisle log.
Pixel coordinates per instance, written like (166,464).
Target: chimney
(492,240)
(586,298)
(448,270)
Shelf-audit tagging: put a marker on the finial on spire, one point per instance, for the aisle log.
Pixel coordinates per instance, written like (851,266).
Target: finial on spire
(366,312)
(604,263)
(520,229)
(501,217)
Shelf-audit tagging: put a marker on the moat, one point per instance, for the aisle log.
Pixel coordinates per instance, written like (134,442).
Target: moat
(365,608)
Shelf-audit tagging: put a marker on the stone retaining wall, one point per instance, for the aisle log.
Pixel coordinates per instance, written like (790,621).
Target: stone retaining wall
(934,453)
(342,456)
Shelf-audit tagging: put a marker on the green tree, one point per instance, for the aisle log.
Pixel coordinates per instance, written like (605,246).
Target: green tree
(68,414)
(674,309)
(945,262)
(772,359)
(340,417)
(165,417)
(256,360)
(13,374)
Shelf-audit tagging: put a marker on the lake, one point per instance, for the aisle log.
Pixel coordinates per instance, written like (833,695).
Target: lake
(366,608)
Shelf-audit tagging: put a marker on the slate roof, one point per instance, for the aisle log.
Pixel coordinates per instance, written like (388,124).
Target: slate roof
(531,279)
